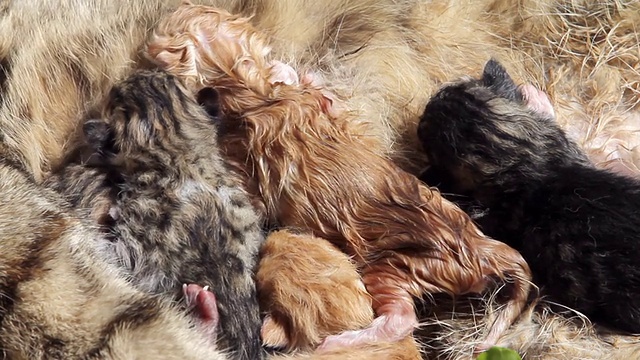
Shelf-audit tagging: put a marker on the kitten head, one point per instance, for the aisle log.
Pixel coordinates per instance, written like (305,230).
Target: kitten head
(150,117)
(488,131)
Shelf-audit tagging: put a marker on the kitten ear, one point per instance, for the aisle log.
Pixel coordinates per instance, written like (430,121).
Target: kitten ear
(282,73)
(98,135)
(537,100)
(274,333)
(208,99)
(496,77)
(164,58)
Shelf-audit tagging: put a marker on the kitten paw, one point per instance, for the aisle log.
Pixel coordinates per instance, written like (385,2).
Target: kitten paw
(385,328)
(203,302)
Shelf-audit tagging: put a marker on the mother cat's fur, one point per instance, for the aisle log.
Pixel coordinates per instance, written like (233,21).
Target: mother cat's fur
(58,60)
(385,57)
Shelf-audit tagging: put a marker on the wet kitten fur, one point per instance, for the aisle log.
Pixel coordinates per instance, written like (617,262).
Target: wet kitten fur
(178,215)
(576,225)
(59,298)
(373,52)
(316,170)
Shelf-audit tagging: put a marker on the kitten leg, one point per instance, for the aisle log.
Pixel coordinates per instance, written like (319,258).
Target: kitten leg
(310,289)
(392,290)
(204,303)
(537,100)
(392,302)
(505,262)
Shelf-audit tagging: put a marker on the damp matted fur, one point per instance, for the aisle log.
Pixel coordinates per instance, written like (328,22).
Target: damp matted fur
(384,57)
(59,298)
(316,169)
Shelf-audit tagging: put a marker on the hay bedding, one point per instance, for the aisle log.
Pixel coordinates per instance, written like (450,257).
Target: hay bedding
(544,331)
(587,50)
(586,55)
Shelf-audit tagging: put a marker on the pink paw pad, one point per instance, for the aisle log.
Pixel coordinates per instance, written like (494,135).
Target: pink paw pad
(114,213)
(204,304)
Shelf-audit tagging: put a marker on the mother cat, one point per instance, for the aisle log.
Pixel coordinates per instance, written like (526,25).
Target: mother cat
(386,57)
(58,60)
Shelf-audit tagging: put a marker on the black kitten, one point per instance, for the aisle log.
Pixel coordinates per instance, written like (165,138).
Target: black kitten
(497,147)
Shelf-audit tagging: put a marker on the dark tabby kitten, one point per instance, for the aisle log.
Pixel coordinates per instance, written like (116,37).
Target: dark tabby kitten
(498,147)
(176,214)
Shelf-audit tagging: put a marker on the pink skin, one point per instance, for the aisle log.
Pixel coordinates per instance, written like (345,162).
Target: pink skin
(114,213)
(330,106)
(204,303)
(282,73)
(390,327)
(537,100)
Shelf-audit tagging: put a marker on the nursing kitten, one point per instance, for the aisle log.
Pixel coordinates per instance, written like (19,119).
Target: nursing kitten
(176,214)
(315,169)
(62,59)
(60,299)
(577,226)
(309,290)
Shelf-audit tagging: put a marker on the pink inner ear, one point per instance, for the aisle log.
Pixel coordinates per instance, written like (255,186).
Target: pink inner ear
(537,100)
(164,58)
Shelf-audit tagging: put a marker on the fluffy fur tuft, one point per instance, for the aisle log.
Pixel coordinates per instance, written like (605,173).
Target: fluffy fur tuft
(309,290)
(543,332)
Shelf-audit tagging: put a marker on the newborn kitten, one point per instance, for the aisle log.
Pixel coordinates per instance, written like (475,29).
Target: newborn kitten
(60,300)
(175,212)
(576,225)
(309,289)
(316,169)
